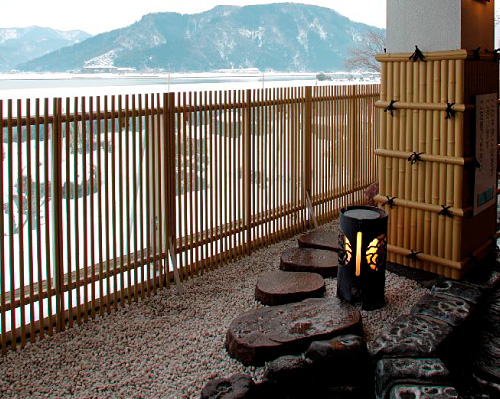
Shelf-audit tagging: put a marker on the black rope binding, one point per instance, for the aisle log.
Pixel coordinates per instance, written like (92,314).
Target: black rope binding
(450,112)
(445,211)
(415,157)
(413,255)
(390,108)
(417,55)
(495,54)
(476,54)
(390,202)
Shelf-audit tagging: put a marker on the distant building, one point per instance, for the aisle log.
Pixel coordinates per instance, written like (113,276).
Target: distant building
(106,69)
(240,70)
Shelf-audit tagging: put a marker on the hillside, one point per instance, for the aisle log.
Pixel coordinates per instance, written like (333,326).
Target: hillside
(20,45)
(278,37)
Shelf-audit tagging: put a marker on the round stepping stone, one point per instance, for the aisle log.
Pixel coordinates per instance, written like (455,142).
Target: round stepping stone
(310,260)
(278,288)
(320,239)
(265,334)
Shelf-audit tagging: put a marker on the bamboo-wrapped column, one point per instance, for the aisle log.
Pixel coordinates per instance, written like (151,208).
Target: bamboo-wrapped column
(430,214)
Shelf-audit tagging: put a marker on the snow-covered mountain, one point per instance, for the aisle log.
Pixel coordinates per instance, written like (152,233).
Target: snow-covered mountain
(279,37)
(19,45)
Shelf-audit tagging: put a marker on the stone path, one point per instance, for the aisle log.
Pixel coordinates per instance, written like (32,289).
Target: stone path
(449,344)
(265,334)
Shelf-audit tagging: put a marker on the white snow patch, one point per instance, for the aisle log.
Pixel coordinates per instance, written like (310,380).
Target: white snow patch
(8,34)
(106,59)
(255,35)
(318,28)
(302,38)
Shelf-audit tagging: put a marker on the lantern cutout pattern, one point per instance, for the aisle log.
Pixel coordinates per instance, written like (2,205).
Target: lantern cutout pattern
(362,256)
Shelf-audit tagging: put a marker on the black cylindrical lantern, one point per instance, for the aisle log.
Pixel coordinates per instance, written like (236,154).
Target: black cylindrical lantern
(362,256)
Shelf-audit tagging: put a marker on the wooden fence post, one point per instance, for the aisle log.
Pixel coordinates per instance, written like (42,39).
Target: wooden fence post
(248,170)
(56,187)
(307,154)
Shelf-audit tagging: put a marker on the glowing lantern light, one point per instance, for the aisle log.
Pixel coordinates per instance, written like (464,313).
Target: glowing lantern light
(361,275)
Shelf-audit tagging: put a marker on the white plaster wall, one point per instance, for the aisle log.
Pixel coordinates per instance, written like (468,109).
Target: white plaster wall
(433,25)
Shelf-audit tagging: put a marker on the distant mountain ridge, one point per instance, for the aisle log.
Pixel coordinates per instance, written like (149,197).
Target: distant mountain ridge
(20,45)
(278,37)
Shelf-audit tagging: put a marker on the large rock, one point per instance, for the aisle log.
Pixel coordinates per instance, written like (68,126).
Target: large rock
(238,386)
(486,357)
(265,334)
(341,361)
(310,260)
(453,311)
(423,392)
(289,373)
(392,372)
(278,288)
(320,239)
(467,292)
(483,276)
(410,336)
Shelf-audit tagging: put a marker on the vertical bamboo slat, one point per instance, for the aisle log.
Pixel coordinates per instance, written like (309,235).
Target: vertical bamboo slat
(47,231)
(100,174)
(68,209)
(127,220)
(40,276)
(21,224)
(30,226)
(142,162)
(92,210)
(107,211)
(11,219)
(120,207)
(3,263)
(138,286)
(76,215)
(85,229)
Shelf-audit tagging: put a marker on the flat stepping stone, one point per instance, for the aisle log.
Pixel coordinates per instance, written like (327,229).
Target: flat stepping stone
(310,260)
(410,336)
(320,239)
(265,334)
(278,287)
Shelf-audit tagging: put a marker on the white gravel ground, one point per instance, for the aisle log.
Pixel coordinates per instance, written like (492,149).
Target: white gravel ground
(165,346)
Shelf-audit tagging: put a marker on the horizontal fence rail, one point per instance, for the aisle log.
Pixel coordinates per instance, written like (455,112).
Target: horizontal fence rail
(100,194)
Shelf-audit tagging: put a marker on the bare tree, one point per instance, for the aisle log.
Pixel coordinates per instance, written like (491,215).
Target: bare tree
(363,56)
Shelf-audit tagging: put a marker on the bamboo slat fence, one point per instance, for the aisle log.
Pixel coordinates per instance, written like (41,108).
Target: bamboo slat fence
(94,189)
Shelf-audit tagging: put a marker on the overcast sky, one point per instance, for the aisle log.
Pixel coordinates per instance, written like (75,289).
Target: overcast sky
(96,16)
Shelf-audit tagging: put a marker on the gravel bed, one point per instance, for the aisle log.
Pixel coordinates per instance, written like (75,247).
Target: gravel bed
(166,346)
